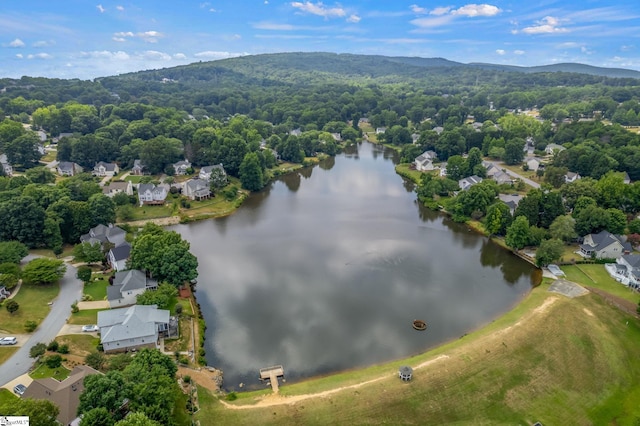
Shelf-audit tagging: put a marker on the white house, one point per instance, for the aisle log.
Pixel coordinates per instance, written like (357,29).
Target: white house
(6,166)
(604,245)
(571,177)
(66,168)
(150,194)
(114,188)
(380,130)
(181,167)
(196,189)
(424,162)
(627,270)
(127,285)
(118,256)
(553,148)
(533,164)
(206,171)
(139,326)
(103,169)
(468,182)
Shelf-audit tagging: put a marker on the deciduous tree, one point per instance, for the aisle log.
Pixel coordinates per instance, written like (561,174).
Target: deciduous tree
(43,271)
(549,251)
(518,233)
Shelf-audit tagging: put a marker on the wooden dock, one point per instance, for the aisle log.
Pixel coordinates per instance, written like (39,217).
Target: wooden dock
(272,374)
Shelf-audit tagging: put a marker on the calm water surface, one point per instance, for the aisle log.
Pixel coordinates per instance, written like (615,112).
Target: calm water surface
(325,270)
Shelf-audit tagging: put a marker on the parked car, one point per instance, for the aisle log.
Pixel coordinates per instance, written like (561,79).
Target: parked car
(90,328)
(19,389)
(8,341)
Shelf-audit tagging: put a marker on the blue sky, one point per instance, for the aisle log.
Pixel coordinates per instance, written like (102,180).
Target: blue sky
(87,38)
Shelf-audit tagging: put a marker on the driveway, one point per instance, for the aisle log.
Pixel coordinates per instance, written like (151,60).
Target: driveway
(60,311)
(515,175)
(74,329)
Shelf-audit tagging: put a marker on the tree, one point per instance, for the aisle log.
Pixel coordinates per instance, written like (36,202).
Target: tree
(162,296)
(96,360)
(105,391)
(40,411)
(591,219)
(37,350)
(9,275)
(549,251)
(251,172)
(219,177)
(498,219)
(103,209)
(24,150)
(22,219)
(518,234)
(89,253)
(563,228)
(53,361)
(457,167)
(99,416)
(555,176)
(12,251)
(617,221)
(529,207)
(43,271)
(84,274)
(12,306)
(514,151)
(137,419)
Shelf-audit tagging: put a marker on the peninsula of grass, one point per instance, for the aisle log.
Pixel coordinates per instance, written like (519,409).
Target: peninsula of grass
(34,306)
(551,359)
(87,316)
(43,371)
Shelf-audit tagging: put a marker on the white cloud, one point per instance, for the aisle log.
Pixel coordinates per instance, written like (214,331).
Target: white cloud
(473,10)
(438,11)
(519,52)
(150,36)
(626,48)
(266,1)
(179,56)
(211,54)
(19,55)
(120,8)
(432,22)
(417,9)
(353,18)
(15,43)
(586,50)
(319,9)
(154,55)
(273,26)
(105,54)
(123,34)
(100,8)
(500,51)
(547,25)
(44,43)
(40,56)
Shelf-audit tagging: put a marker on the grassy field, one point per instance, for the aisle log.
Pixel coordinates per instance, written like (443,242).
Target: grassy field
(404,170)
(33,301)
(97,289)
(152,212)
(43,371)
(88,316)
(79,344)
(593,275)
(67,251)
(6,352)
(552,359)
(6,395)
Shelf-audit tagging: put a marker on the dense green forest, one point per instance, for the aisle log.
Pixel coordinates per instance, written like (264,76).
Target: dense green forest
(248,113)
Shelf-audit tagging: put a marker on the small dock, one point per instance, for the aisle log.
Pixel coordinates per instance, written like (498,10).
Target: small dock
(272,374)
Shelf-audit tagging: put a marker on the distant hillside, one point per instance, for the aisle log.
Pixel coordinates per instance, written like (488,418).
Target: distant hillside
(565,67)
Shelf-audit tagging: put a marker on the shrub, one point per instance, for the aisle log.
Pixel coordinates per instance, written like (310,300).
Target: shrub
(178,308)
(84,274)
(184,360)
(202,352)
(53,361)
(30,326)
(232,396)
(12,306)
(186,379)
(87,298)
(74,307)
(37,350)
(63,349)
(53,346)
(95,360)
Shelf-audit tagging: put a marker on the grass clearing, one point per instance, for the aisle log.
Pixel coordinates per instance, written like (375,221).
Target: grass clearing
(569,253)
(67,250)
(7,396)
(579,368)
(97,289)
(6,353)
(79,344)
(87,316)
(180,414)
(33,301)
(151,212)
(182,343)
(595,275)
(43,371)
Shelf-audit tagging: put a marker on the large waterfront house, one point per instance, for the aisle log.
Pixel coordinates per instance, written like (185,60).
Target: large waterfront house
(424,162)
(118,187)
(150,194)
(206,171)
(180,168)
(604,245)
(135,327)
(196,189)
(127,285)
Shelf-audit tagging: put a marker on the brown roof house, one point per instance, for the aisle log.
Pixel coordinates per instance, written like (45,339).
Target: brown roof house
(64,394)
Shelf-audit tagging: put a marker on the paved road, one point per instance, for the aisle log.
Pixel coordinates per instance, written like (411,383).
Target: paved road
(515,175)
(70,291)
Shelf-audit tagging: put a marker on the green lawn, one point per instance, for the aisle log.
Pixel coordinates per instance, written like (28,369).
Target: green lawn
(97,289)
(6,396)
(67,251)
(594,275)
(552,359)
(133,178)
(43,371)
(181,416)
(152,212)
(6,352)
(79,344)
(88,316)
(569,254)
(33,301)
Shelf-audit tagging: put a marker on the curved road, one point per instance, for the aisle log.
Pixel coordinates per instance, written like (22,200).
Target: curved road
(70,291)
(529,182)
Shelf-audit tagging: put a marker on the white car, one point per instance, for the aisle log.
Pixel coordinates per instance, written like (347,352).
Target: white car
(8,341)
(90,328)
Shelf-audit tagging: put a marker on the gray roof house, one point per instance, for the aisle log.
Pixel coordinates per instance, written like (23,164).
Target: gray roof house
(150,194)
(468,182)
(105,169)
(502,177)
(424,161)
(126,286)
(139,326)
(205,172)
(196,189)
(118,256)
(571,177)
(628,267)
(117,187)
(67,168)
(181,167)
(604,245)
(138,168)
(553,147)
(6,166)
(103,234)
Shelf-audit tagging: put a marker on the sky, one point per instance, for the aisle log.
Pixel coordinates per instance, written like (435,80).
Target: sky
(87,38)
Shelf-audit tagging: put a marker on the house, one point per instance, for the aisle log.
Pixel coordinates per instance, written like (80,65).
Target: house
(103,169)
(510,200)
(627,269)
(533,164)
(56,139)
(468,182)
(6,167)
(438,129)
(117,256)
(135,327)
(118,187)
(41,135)
(604,245)
(380,130)
(4,293)
(502,177)
(443,169)
(205,172)
(492,169)
(571,177)
(336,137)
(65,394)
(104,234)
(196,189)
(181,167)
(415,137)
(126,286)
(67,168)
(424,161)
(296,132)
(553,148)
(150,194)
(138,168)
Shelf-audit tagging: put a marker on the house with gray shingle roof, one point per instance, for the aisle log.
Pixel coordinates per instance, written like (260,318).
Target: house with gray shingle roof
(150,194)
(118,256)
(468,182)
(104,234)
(181,167)
(138,168)
(424,161)
(127,285)
(206,171)
(67,168)
(6,166)
(604,245)
(136,327)
(103,169)
(117,187)
(196,189)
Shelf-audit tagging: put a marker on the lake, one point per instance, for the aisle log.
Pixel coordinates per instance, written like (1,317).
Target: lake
(326,268)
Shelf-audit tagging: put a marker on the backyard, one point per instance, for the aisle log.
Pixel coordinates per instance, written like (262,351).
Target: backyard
(595,275)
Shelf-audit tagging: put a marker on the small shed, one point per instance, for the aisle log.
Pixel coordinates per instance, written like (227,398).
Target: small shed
(405,373)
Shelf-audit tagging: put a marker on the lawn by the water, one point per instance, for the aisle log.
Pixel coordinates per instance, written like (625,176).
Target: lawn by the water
(552,360)
(594,275)
(34,306)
